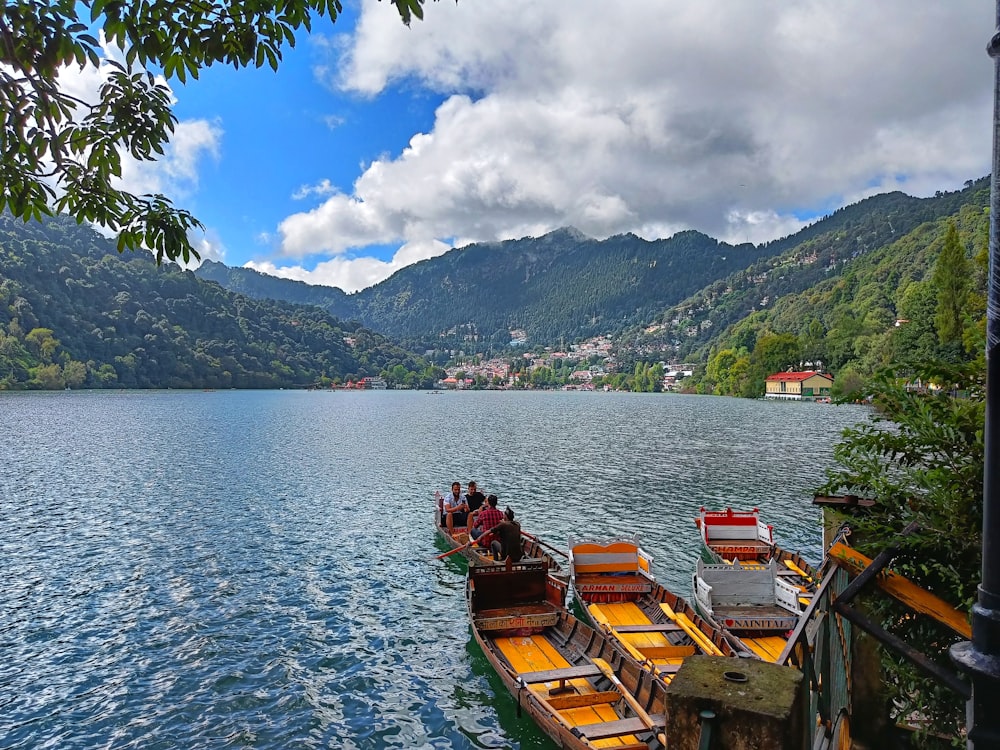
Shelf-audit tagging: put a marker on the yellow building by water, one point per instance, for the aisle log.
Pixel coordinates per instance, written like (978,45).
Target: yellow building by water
(799,386)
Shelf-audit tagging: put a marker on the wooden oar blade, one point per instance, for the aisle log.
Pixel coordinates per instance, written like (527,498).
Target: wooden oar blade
(452,551)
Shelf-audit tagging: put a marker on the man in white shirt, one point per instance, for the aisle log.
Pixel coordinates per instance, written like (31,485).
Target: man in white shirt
(454,509)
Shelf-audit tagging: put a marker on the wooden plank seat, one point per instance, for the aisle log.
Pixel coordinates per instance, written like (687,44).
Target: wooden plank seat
(541,608)
(562,674)
(651,627)
(666,652)
(604,729)
(581,700)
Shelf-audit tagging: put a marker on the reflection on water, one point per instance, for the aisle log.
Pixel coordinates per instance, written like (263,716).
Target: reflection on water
(255,569)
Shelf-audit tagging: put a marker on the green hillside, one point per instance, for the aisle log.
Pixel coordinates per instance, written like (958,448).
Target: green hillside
(75,313)
(871,309)
(559,287)
(818,253)
(666,299)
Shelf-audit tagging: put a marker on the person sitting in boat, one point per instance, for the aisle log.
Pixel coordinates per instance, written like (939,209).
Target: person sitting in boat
(454,510)
(507,538)
(474,499)
(487,518)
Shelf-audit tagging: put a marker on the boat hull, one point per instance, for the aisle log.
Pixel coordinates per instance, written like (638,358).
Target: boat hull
(752,603)
(569,697)
(532,547)
(730,535)
(618,594)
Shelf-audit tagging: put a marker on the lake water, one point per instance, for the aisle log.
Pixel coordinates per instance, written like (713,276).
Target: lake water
(255,569)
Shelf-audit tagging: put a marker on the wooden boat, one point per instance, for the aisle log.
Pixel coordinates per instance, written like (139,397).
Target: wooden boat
(760,604)
(532,547)
(617,590)
(728,535)
(579,689)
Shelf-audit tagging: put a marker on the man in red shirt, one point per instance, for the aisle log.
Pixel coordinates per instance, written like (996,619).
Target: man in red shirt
(487,518)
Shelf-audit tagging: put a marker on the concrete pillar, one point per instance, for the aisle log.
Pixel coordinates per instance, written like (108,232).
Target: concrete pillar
(757,706)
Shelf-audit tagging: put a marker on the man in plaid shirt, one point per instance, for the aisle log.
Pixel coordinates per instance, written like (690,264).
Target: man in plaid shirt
(488,517)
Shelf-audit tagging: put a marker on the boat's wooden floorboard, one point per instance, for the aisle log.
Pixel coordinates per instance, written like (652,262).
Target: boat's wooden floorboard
(535,654)
(644,643)
(768,648)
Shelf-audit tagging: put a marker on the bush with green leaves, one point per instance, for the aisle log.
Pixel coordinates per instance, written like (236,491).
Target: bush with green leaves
(921,457)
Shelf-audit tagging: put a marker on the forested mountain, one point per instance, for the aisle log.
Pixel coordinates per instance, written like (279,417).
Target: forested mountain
(261,286)
(666,298)
(562,286)
(919,297)
(823,251)
(75,313)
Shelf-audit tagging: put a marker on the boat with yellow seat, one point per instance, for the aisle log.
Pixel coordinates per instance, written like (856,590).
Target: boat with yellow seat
(579,688)
(614,583)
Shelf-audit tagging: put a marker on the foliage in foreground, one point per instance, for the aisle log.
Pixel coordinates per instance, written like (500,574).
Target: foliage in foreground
(63,154)
(922,459)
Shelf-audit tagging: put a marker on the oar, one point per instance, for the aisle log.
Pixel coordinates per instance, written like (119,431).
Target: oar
(796,569)
(629,698)
(693,632)
(544,544)
(710,648)
(603,620)
(453,551)
(600,617)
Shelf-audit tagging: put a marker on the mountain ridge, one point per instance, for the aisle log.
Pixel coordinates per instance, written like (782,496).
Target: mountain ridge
(76,313)
(567,286)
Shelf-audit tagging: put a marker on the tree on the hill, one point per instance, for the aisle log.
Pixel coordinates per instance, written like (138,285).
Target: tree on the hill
(914,338)
(727,370)
(63,154)
(812,339)
(776,352)
(951,282)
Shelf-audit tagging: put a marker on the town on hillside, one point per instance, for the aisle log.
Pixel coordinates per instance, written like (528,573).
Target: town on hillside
(587,366)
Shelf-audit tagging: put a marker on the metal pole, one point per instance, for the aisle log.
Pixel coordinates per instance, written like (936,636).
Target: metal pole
(980,658)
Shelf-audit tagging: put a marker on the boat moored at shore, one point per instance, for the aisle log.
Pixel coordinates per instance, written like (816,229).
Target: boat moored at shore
(615,586)
(756,603)
(580,690)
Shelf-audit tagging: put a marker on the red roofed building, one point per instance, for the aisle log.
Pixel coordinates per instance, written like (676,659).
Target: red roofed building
(798,386)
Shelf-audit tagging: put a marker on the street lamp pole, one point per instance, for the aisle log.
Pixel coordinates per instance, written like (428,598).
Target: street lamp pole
(980,658)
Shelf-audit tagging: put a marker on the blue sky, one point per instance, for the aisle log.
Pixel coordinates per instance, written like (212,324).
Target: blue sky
(375,146)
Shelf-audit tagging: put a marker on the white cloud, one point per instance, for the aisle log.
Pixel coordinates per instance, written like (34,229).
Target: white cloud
(648,117)
(175,172)
(323,187)
(353,274)
(209,247)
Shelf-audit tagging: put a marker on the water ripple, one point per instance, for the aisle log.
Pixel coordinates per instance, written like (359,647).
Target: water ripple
(235,570)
